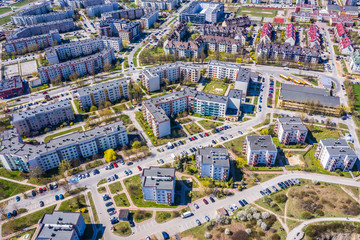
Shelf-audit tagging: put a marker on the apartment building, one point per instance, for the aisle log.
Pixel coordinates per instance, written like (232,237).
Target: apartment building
(81,66)
(345,46)
(128,14)
(79,3)
(243,21)
(124,29)
(149,19)
(222,44)
(244,77)
(97,10)
(33,43)
(213,163)
(111,91)
(11,87)
(192,49)
(266,33)
(286,52)
(354,61)
(290,130)
(60,225)
(16,155)
(295,97)
(203,12)
(313,36)
(152,78)
(161,5)
(221,70)
(336,154)
(62,26)
(235,32)
(158,184)
(340,31)
(179,32)
(290,34)
(260,150)
(64,52)
(156,111)
(43,116)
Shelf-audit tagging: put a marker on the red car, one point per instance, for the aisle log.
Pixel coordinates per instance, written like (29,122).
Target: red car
(139,168)
(206,134)
(40,190)
(205,201)
(193,138)
(44,189)
(115,165)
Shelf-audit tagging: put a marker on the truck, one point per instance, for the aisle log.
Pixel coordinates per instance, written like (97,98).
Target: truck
(186,214)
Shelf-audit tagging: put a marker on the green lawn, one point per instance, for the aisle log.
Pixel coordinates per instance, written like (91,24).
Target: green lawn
(316,133)
(20,223)
(22,3)
(336,49)
(141,215)
(77,104)
(164,216)
(122,229)
(5,19)
(15,175)
(93,209)
(215,87)
(193,128)
(93,164)
(121,200)
(257,12)
(115,187)
(4,10)
(119,108)
(30,232)
(8,189)
(209,125)
(102,181)
(133,186)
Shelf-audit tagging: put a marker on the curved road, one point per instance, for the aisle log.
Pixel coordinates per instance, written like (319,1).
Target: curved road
(293,234)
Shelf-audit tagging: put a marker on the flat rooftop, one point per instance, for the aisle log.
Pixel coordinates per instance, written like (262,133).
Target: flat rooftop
(214,156)
(261,142)
(161,178)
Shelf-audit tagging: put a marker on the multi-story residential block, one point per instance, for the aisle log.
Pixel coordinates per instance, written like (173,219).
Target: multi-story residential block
(281,1)
(11,87)
(222,44)
(79,3)
(345,46)
(313,36)
(42,28)
(68,51)
(341,31)
(335,154)
(235,32)
(179,32)
(295,97)
(290,34)
(152,78)
(159,4)
(203,12)
(124,29)
(290,130)
(16,155)
(33,43)
(81,66)
(60,225)
(158,184)
(243,79)
(97,10)
(192,49)
(354,61)
(129,14)
(221,70)
(266,33)
(243,21)
(156,111)
(213,163)
(286,52)
(108,91)
(149,19)
(42,117)
(260,150)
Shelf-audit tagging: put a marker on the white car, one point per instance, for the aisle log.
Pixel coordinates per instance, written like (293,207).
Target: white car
(235,207)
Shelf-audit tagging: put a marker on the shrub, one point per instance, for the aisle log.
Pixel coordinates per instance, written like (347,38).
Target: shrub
(275,237)
(306,215)
(280,198)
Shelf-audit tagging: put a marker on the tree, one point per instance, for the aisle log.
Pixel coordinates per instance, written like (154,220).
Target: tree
(166,81)
(125,43)
(80,82)
(64,166)
(264,131)
(108,104)
(110,155)
(136,145)
(107,67)
(93,108)
(74,76)
(36,172)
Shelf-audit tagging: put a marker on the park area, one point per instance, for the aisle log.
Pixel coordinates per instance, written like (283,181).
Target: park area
(214,87)
(257,12)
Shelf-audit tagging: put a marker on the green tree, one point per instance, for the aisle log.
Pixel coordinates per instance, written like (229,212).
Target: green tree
(264,131)
(136,145)
(64,166)
(110,155)
(93,108)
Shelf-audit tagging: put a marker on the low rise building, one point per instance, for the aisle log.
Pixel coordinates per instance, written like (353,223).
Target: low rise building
(340,31)
(158,184)
(203,12)
(222,44)
(354,61)
(235,32)
(266,33)
(11,87)
(314,36)
(290,34)
(43,116)
(16,155)
(260,150)
(179,32)
(97,10)
(345,46)
(111,91)
(60,225)
(192,49)
(290,130)
(213,163)
(243,21)
(336,154)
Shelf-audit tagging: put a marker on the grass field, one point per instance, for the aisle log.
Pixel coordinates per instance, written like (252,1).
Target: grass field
(22,3)
(122,229)
(215,87)
(316,133)
(141,215)
(16,175)
(209,125)
(48,138)
(8,189)
(93,209)
(5,19)
(25,221)
(193,128)
(121,200)
(115,187)
(4,10)
(257,12)
(164,216)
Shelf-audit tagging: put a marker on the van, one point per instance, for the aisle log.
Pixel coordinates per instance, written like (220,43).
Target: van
(186,214)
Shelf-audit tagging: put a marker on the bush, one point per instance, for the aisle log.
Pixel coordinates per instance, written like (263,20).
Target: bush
(306,215)
(280,198)
(275,237)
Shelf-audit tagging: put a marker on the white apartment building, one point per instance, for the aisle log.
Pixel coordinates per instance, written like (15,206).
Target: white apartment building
(108,91)
(290,130)
(159,4)
(158,184)
(221,70)
(335,154)
(95,10)
(354,61)
(213,163)
(149,19)
(152,78)
(260,150)
(42,117)
(16,155)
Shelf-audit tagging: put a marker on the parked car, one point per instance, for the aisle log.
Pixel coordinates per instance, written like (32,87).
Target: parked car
(196,206)
(57,197)
(198,222)
(61,196)
(17,198)
(41,204)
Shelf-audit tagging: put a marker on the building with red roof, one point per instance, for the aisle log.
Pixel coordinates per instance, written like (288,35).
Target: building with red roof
(290,34)
(345,46)
(313,36)
(340,31)
(266,33)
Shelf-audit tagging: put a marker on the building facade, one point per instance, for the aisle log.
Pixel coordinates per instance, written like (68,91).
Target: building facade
(203,12)
(222,44)
(192,49)
(335,154)
(11,87)
(354,61)
(290,130)
(158,184)
(108,91)
(42,117)
(314,36)
(16,155)
(124,29)
(159,4)
(97,10)
(266,33)
(221,70)
(149,19)
(213,163)
(290,34)
(260,150)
